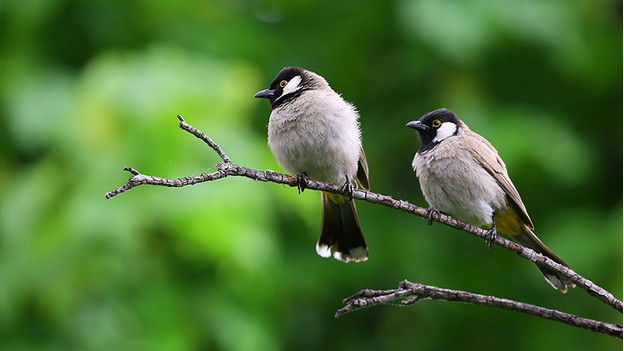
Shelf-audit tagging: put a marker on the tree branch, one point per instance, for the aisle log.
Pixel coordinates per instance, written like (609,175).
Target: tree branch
(409,293)
(227,168)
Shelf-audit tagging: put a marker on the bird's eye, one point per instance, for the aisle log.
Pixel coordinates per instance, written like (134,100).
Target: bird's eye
(283,83)
(436,123)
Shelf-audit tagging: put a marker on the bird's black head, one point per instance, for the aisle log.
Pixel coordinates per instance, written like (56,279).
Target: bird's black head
(289,83)
(434,127)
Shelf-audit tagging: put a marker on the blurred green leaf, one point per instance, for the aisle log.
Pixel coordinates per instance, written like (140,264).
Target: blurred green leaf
(88,88)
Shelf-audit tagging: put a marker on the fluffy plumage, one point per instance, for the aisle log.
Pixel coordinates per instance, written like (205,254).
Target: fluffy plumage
(461,174)
(314,132)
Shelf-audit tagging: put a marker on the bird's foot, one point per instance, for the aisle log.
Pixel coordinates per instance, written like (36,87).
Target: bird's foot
(347,189)
(430,212)
(301,182)
(491,236)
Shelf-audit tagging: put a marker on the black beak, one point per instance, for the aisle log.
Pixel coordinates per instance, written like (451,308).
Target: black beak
(417,125)
(266,93)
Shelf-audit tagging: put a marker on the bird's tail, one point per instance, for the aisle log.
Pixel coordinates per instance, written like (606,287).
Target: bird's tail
(340,230)
(530,240)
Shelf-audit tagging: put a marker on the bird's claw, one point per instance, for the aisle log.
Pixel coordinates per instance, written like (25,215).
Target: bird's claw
(491,236)
(430,212)
(301,182)
(347,189)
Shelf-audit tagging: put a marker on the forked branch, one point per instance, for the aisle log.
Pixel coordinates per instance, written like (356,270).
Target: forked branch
(409,293)
(227,168)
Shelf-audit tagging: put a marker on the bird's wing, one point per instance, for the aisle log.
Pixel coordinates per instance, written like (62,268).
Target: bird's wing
(487,156)
(362,172)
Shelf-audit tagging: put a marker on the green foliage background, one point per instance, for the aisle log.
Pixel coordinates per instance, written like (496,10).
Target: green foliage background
(89,87)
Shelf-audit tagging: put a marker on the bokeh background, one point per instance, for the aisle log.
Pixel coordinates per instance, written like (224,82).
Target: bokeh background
(89,87)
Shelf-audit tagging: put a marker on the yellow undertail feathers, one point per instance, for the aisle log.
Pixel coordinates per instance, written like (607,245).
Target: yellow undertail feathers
(336,198)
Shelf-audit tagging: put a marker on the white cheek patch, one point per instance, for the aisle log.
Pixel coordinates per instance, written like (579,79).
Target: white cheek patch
(292,85)
(446,130)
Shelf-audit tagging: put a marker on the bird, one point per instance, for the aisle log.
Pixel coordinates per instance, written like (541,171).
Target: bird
(313,132)
(461,174)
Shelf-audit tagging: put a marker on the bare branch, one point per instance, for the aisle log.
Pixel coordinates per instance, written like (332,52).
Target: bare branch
(227,168)
(140,179)
(410,293)
(199,134)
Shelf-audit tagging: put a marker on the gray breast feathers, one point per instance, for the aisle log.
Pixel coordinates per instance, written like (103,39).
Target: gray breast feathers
(453,182)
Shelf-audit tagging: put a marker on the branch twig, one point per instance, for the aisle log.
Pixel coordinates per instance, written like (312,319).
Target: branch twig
(410,293)
(199,134)
(227,168)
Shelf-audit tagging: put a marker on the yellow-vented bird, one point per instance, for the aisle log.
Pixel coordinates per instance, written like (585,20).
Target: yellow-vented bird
(461,174)
(314,132)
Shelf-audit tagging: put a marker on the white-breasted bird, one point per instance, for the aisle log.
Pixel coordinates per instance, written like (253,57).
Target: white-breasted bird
(314,132)
(462,175)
